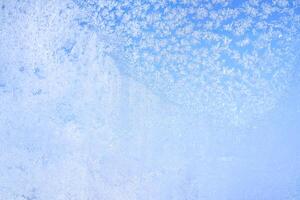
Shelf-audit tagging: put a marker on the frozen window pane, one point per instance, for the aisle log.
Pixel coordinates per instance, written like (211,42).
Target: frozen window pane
(160,99)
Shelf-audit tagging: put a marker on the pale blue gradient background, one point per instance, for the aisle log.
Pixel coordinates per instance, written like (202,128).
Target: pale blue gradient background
(86,115)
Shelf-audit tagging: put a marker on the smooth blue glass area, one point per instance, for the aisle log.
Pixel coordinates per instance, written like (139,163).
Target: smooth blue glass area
(149,100)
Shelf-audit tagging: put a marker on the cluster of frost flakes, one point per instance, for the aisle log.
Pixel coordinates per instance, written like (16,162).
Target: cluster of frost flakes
(208,55)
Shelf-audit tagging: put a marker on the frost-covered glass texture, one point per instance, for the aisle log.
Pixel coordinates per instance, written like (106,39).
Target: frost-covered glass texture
(149,100)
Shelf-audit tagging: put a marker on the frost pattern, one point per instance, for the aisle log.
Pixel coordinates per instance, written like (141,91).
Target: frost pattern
(82,113)
(225,58)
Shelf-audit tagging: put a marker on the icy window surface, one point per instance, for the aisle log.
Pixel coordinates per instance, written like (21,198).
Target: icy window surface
(157,99)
